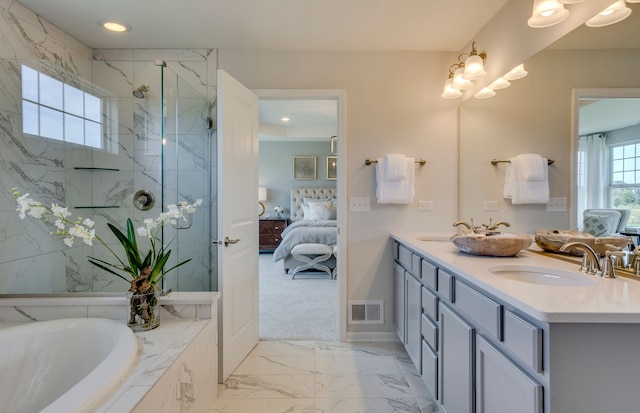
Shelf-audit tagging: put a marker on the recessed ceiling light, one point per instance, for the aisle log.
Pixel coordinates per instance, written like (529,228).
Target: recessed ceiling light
(285,119)
(113,26)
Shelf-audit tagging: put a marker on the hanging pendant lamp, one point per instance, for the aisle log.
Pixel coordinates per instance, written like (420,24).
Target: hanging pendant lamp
(459,82)
(517,72)
(449,92)
(474,65)
(618,11)
(547,13)
(484,93)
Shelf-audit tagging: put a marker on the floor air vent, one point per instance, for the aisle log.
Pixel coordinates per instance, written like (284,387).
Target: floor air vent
(366,312)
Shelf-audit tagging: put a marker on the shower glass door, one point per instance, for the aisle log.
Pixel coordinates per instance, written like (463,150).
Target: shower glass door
(186,176)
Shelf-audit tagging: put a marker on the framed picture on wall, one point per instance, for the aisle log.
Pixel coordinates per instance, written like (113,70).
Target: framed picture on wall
(332,167)
(304,167)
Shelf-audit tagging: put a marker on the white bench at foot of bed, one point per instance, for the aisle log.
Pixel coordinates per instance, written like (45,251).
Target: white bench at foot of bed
(312,256)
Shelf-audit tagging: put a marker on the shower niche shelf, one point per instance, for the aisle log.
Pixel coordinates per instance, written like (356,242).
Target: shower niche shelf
(91,168)
(97,206)
(88,168)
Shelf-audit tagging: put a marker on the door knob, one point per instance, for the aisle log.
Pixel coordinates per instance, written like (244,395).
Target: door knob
(226,241)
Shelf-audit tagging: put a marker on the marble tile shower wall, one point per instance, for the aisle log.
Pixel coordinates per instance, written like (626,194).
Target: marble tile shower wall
(32,261)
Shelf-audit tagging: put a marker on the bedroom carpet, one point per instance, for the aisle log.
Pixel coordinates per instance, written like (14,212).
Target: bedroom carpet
(300,309)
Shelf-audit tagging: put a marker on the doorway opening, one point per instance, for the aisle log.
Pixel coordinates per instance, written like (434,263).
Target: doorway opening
(301,129)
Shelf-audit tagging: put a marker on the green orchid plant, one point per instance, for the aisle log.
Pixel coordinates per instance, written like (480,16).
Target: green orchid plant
(142,271)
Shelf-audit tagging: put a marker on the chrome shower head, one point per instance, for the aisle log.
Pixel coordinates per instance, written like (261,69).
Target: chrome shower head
(139,92)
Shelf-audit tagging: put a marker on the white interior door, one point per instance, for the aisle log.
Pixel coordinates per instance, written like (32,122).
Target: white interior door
(237,135)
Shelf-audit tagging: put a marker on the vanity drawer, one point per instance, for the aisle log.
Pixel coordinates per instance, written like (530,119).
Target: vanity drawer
(429,275)
(429,304)
(483,311)
(523,339)
(430,332)
(404,257)
(416,267)
(445,285)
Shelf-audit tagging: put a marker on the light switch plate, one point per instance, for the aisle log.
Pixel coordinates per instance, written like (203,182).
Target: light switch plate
(557,205)
(490,205)
(425,205)
(359,204)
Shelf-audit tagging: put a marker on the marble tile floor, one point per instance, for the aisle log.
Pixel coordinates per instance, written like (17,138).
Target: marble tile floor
(325,377)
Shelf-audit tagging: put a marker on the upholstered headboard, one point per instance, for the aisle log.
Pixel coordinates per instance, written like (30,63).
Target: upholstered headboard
(297,195)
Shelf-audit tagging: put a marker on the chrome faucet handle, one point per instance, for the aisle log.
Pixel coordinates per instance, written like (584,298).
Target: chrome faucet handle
(608,265)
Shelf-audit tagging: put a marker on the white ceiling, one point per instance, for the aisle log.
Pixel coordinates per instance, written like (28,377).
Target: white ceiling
(309,120)
(434,25)
(419,25)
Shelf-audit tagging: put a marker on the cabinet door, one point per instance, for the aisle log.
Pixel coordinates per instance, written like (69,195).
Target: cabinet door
(413,313)
(456,361)
(430,369)
(399,307)
(501,387)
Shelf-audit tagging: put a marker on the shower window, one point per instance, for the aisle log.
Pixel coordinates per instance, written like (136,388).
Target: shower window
(56,110)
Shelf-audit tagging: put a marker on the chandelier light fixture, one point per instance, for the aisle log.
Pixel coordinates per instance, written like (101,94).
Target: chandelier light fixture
(470,66)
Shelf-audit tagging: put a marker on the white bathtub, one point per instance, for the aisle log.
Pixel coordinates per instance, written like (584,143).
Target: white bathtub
(67,365)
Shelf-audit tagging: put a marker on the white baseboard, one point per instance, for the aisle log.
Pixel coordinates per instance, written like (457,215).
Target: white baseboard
(381,337)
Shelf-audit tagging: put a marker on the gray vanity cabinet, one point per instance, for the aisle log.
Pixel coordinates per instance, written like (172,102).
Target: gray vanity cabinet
(502,387)
(456,363)
(474,355)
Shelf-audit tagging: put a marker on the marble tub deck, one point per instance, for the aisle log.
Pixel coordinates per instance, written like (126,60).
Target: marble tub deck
(325,377)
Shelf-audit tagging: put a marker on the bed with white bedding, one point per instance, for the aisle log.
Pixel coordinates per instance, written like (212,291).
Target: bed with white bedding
(313,221)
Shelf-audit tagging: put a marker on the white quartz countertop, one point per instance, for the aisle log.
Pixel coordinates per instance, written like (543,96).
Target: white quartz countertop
(606,301)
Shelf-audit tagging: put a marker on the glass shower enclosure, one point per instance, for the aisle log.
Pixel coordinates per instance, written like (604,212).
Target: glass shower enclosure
(108,151)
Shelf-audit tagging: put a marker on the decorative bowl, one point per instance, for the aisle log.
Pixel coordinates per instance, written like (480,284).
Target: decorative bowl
(552,239)
(495,245)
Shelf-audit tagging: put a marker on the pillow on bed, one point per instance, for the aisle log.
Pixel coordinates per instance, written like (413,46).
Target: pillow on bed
(320,211)
(305,201)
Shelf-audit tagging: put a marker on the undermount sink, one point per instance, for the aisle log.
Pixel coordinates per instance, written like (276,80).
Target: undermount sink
(541,275)
(434,238)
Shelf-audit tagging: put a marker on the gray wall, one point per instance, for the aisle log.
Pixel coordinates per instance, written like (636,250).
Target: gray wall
(276,169)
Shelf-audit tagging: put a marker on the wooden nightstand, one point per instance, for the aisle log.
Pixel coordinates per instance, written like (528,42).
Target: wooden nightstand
(269,233)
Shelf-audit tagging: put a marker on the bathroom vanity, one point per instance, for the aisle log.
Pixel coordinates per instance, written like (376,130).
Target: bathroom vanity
(526,334)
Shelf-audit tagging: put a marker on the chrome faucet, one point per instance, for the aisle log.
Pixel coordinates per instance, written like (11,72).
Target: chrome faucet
(590,259)
(609,263)
(634,264)
(482,229)
(455,224)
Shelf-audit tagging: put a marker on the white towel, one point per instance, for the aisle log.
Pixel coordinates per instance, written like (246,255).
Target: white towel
(523,191)
(508,180)
(532,166)
(395,167)
(395,192)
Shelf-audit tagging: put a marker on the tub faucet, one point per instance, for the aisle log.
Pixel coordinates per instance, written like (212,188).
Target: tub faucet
(590,259)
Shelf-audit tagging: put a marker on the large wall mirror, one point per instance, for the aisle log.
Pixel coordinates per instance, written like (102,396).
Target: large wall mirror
(536,115)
